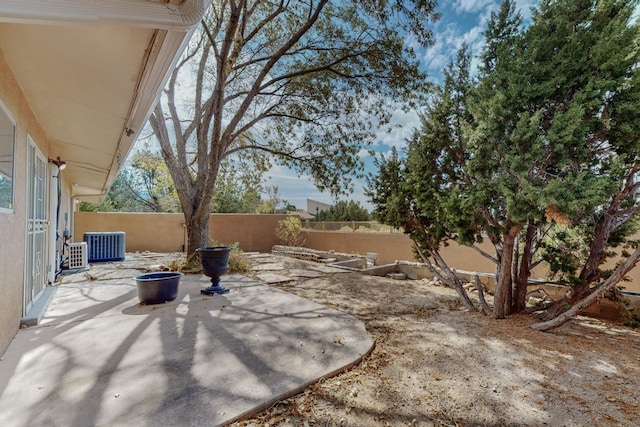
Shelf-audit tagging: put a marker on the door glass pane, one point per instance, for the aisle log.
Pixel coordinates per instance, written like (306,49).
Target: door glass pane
(7,138)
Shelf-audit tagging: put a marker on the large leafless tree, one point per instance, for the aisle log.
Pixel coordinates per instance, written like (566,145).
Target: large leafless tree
(307,82)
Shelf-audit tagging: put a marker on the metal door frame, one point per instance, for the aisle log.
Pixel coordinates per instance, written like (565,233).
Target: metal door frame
(35,278)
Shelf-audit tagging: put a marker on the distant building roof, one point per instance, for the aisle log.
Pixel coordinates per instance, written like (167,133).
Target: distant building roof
(313,206)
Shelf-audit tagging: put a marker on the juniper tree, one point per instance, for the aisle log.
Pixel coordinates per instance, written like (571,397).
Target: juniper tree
(418,192)
(550,125)
(603,119)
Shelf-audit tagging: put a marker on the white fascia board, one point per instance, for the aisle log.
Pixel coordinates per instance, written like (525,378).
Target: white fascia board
(135,13)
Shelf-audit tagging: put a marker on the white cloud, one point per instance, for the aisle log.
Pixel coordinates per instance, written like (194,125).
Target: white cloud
(439,55)
(402,126)
(525,8)
(296,190)
(293,188)
(453,30)
(363,153)
(447,44)
(472,6)
(485,7)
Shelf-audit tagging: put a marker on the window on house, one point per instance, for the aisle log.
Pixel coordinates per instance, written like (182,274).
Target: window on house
(7,146)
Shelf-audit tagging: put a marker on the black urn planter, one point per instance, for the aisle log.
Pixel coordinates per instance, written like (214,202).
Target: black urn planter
(158,288)
(215,263)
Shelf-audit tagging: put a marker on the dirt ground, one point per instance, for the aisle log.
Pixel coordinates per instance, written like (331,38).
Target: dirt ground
(435,364)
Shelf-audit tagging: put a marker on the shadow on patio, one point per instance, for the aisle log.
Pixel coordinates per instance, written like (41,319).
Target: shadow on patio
(99,357)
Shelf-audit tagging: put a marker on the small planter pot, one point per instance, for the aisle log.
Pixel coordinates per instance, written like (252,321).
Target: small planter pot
(158,288)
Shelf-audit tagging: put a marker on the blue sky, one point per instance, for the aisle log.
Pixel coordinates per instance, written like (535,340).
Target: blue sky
(461,20)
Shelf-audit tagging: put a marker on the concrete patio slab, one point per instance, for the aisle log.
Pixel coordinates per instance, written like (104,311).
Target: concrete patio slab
(268,267)
(272,278)
(100,358)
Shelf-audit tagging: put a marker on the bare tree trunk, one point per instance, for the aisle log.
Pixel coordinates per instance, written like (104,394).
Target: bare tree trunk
(614,217)
(524,270)
(483,303)
(597,252)
(444,273)
(197,231)
(617,275)
(588,274)
(503,283)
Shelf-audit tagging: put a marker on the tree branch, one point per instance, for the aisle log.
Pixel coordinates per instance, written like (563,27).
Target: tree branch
(617,275)
(449,277)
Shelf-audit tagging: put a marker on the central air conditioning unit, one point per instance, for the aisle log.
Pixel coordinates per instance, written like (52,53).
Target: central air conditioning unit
(105,246)
(78,255)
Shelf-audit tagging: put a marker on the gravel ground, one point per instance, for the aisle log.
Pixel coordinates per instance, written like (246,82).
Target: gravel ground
(435,364)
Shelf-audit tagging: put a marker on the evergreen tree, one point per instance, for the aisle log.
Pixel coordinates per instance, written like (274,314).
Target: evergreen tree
(547,132)
(420,193)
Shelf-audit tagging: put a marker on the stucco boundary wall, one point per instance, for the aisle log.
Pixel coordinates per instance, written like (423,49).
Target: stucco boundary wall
(164,232)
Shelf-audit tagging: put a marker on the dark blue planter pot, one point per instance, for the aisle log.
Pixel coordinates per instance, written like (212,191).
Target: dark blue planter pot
(158,288)
(215,262)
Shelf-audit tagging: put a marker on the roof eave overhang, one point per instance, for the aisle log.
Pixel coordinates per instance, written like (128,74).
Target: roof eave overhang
(164,55)
(137,13)
(173,24)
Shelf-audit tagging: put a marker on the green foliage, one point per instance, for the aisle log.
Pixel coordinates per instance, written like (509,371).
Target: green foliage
(272,202)
(551,119)
(238,262)
(633,323)
(143,185)
(385,190)
(152,182)
(239,184)
(344,211)
(6,192)
(564,251)
(117,199)
(289,231)
(93,207)
(185,265)
(427,193)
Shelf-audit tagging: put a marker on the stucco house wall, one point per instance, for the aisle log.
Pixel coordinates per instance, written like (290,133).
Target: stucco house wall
(79,79)
(13,224)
